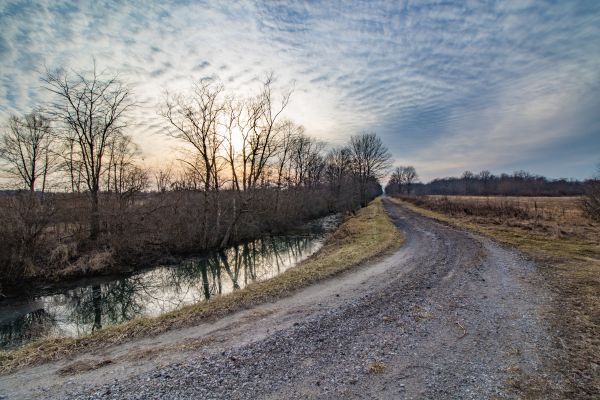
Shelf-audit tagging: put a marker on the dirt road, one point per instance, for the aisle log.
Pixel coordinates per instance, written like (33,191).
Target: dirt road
(449,315)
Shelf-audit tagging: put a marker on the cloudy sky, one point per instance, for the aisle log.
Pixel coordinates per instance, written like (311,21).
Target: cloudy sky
(449,86)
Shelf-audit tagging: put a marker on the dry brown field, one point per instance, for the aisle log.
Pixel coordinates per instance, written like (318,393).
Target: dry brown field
(559,217)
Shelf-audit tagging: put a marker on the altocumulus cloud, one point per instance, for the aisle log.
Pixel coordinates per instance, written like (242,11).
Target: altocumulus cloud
(494,85)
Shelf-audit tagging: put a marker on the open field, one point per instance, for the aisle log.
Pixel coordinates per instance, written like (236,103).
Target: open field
(554,217)
(566,247)
(358,239)
(549,208)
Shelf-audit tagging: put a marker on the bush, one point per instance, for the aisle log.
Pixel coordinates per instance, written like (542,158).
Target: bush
(591,202)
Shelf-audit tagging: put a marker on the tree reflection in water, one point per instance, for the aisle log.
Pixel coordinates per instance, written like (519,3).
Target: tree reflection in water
(25,328)
(155,291)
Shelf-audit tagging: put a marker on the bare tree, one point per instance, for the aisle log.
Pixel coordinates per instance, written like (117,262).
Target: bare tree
(264,144)
(163,179)
(406,176)
(338,167)
(371,160)
(256,123)
(26,150)
(288,131)
(92,108)
(591,201)
(194,120)
(301,152)
(232,114)
(306,162)
(259,130)
(123,176)
(26,155)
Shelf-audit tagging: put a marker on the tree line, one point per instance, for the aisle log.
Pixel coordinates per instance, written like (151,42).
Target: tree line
(520,183)
(244,170)
(404,182)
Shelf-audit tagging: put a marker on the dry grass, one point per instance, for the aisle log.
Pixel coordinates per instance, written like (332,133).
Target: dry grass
(558,237)
(376,367)
(568,255)
(555,216)
(360,238)
(551,208)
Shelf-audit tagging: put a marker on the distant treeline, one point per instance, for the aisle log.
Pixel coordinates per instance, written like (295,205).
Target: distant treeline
(520,183)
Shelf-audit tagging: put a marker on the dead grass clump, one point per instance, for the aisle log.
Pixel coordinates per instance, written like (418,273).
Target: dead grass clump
(590,204)
(62,253)
(369,234)
(94,263)
(420,314)
(377,367)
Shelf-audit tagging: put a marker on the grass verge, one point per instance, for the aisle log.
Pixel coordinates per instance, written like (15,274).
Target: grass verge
(360,238)
(571,267)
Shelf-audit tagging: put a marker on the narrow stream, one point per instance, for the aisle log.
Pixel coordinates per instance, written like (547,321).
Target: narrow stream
(105,301)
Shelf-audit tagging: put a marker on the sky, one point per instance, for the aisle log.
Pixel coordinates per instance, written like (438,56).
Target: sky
(448,86)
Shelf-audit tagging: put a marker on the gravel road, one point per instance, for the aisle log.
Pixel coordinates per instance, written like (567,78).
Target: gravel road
(449,315)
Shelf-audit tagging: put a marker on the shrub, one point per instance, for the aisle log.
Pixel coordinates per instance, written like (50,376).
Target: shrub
(591,202)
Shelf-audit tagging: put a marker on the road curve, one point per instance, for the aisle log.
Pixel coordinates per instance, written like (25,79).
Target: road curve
(449,315)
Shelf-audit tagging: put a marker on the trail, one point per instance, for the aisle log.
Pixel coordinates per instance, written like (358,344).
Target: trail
(449,315)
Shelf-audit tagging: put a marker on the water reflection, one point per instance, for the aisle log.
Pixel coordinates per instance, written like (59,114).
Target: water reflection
(153,292)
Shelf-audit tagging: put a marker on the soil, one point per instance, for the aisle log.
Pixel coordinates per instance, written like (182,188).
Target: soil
(449,315)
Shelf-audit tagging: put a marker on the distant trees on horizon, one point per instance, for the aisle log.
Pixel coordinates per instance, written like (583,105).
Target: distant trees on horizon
(519,183)
(402,180)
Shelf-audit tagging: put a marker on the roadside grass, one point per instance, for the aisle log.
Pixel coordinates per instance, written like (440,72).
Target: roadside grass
(360,238)
(571,266)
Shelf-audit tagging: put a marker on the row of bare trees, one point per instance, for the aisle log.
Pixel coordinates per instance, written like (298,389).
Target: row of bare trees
(243,144)
(237,153)
(79,137)
(402,180)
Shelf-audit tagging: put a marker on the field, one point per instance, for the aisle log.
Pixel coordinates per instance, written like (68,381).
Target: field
(557,217)
(566,247)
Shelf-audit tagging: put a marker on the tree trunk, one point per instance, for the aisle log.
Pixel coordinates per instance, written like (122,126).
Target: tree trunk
(94,216)
(205,220)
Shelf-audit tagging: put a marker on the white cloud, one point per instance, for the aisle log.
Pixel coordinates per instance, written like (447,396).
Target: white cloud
(448,87)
